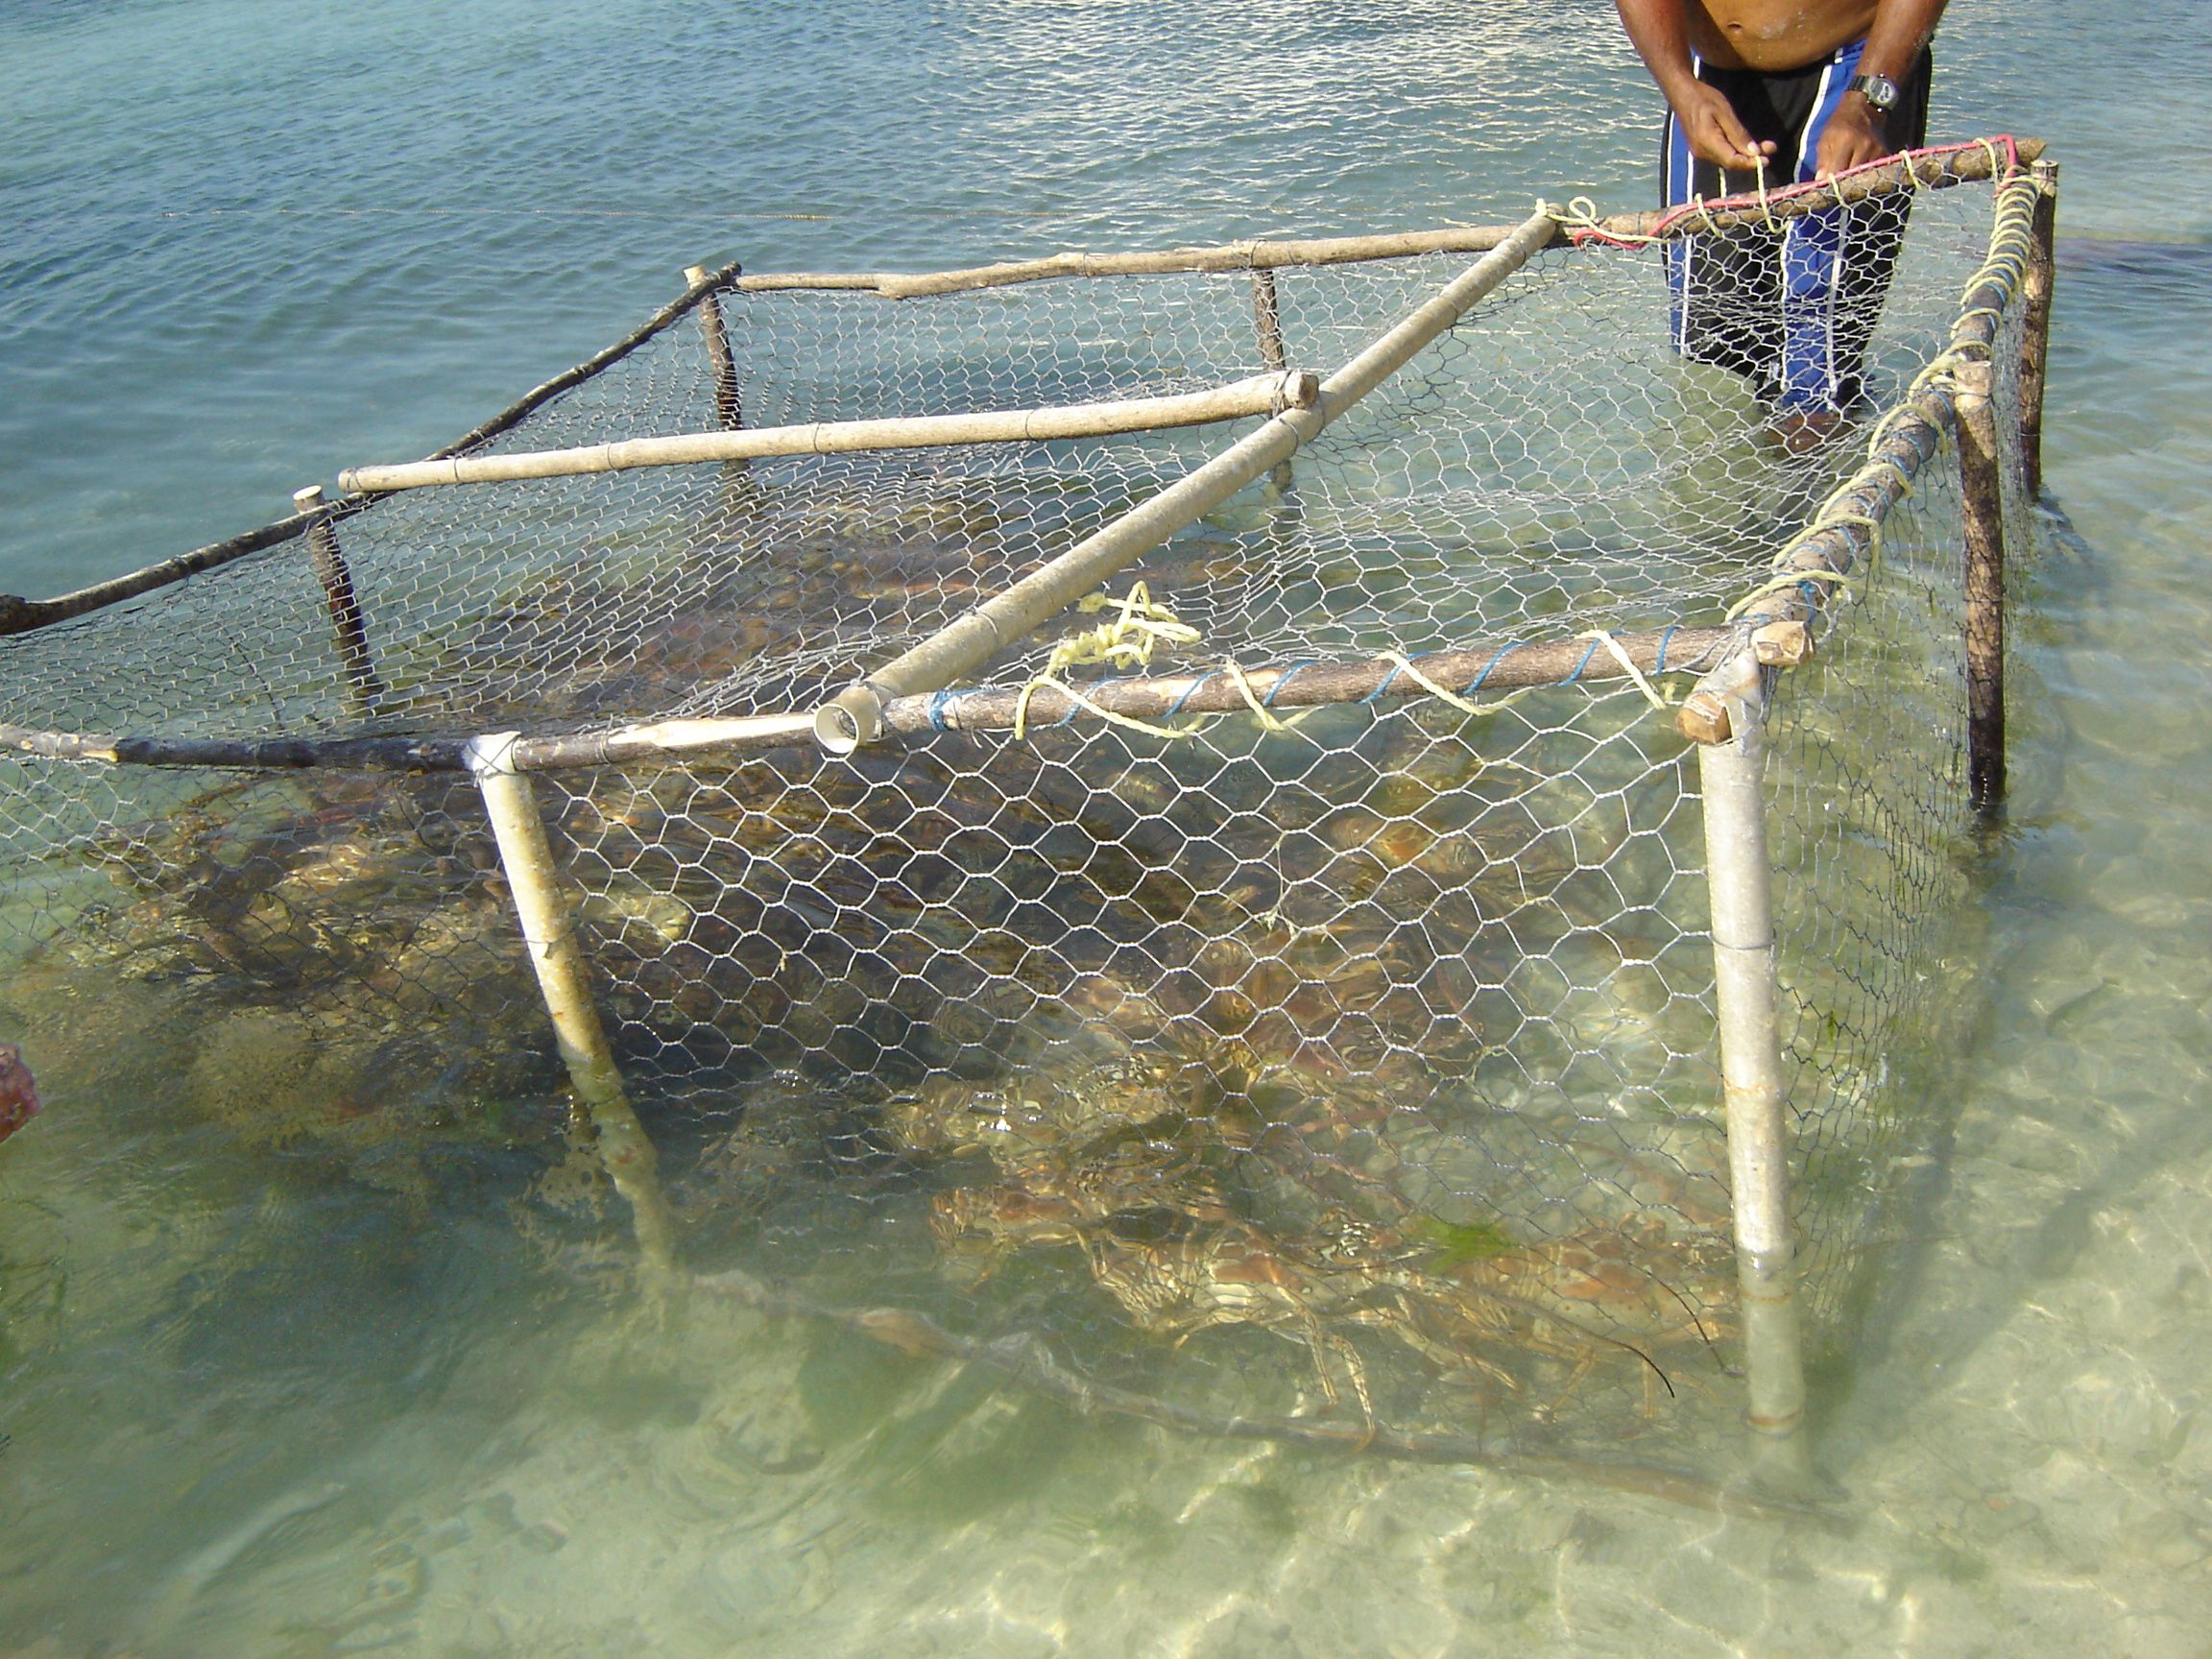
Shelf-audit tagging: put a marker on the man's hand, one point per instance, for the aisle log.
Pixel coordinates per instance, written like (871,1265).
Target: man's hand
(1855,135)
(1715,134)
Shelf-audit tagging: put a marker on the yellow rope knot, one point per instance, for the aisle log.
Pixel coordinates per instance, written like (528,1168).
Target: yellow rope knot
(1126,640)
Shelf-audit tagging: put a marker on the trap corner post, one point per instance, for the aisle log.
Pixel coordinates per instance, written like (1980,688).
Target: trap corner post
(1753,1082)
(548,929)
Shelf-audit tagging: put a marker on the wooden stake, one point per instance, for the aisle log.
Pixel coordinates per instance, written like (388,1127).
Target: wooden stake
(1268,319)
(1754,1085)
(1268,316)
(547,926)
(364,689)
(729,413)
(1982,490)
(2035,325)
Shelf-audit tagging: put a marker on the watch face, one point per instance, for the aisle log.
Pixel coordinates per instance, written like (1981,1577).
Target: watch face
(1880,92)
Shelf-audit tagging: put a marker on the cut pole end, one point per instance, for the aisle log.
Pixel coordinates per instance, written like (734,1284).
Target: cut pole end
(1783,644)
(1704,718)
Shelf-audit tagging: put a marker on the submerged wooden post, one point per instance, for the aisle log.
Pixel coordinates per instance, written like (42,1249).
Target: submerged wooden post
(1753,1082)
(549,930)
(1268,320)
(364,688)
(1981,490)
(729,413)
(2035,285)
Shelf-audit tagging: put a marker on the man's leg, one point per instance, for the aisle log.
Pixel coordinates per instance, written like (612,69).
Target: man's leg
(1792,310)
(1724,287)
(1836,265)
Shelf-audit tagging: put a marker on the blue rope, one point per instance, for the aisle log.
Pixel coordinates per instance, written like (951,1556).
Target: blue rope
(1476,684)
(1268,701)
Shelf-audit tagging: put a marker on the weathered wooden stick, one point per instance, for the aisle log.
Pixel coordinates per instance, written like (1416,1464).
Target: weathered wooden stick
(19,615)
(1927,172)
(2035,288)
(1268,318)
(538,395)
(661,738)
(729,412)
(856,715)
(1471,672)
(1259,395)
(253,755)
(1981,490)
(364,688)
(1230,256)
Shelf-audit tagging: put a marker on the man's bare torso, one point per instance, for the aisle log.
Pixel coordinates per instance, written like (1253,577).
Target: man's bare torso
(1771,34)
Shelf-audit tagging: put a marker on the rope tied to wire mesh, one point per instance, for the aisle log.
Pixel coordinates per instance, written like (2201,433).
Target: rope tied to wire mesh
(2003,270)
(1584,229)
(1612,645)
(1580,221)
(1126,640)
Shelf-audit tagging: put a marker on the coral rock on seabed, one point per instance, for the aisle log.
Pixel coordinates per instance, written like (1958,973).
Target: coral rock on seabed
(19,1093)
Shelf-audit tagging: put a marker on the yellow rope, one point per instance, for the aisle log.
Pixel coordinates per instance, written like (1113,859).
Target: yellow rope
(1130,722)
(1269,720)
(2011,238)
(1125,642)
(1629,667)
(1466,705)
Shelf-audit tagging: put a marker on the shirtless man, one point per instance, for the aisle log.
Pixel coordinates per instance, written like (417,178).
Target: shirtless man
(1802,90)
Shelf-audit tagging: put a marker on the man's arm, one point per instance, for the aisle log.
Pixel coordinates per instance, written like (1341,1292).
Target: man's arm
(1660,32)
(1855,133)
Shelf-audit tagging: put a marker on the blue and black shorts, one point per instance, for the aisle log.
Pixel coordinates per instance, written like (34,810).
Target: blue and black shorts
(1791,308)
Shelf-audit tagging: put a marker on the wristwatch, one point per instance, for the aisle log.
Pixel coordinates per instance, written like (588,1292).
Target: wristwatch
(1881,92)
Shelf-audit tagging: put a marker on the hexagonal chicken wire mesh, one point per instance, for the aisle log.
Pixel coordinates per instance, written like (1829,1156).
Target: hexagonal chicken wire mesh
(1380,1019)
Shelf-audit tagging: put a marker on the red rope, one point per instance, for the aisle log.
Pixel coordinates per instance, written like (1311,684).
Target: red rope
(2004,142)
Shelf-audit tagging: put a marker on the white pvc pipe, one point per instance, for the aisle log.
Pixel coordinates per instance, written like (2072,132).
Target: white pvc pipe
(1753,1082)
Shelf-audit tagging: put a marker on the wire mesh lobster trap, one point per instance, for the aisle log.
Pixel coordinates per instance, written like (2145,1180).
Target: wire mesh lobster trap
(1108,811)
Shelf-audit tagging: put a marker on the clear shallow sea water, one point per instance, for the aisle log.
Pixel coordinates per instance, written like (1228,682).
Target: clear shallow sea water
(242,245)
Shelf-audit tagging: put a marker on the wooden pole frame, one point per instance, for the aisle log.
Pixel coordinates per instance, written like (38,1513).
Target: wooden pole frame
(548,927)
(364,688)
(855,715)
(2036,290)
(1981,490)
(1754,1080)
(1240,399)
